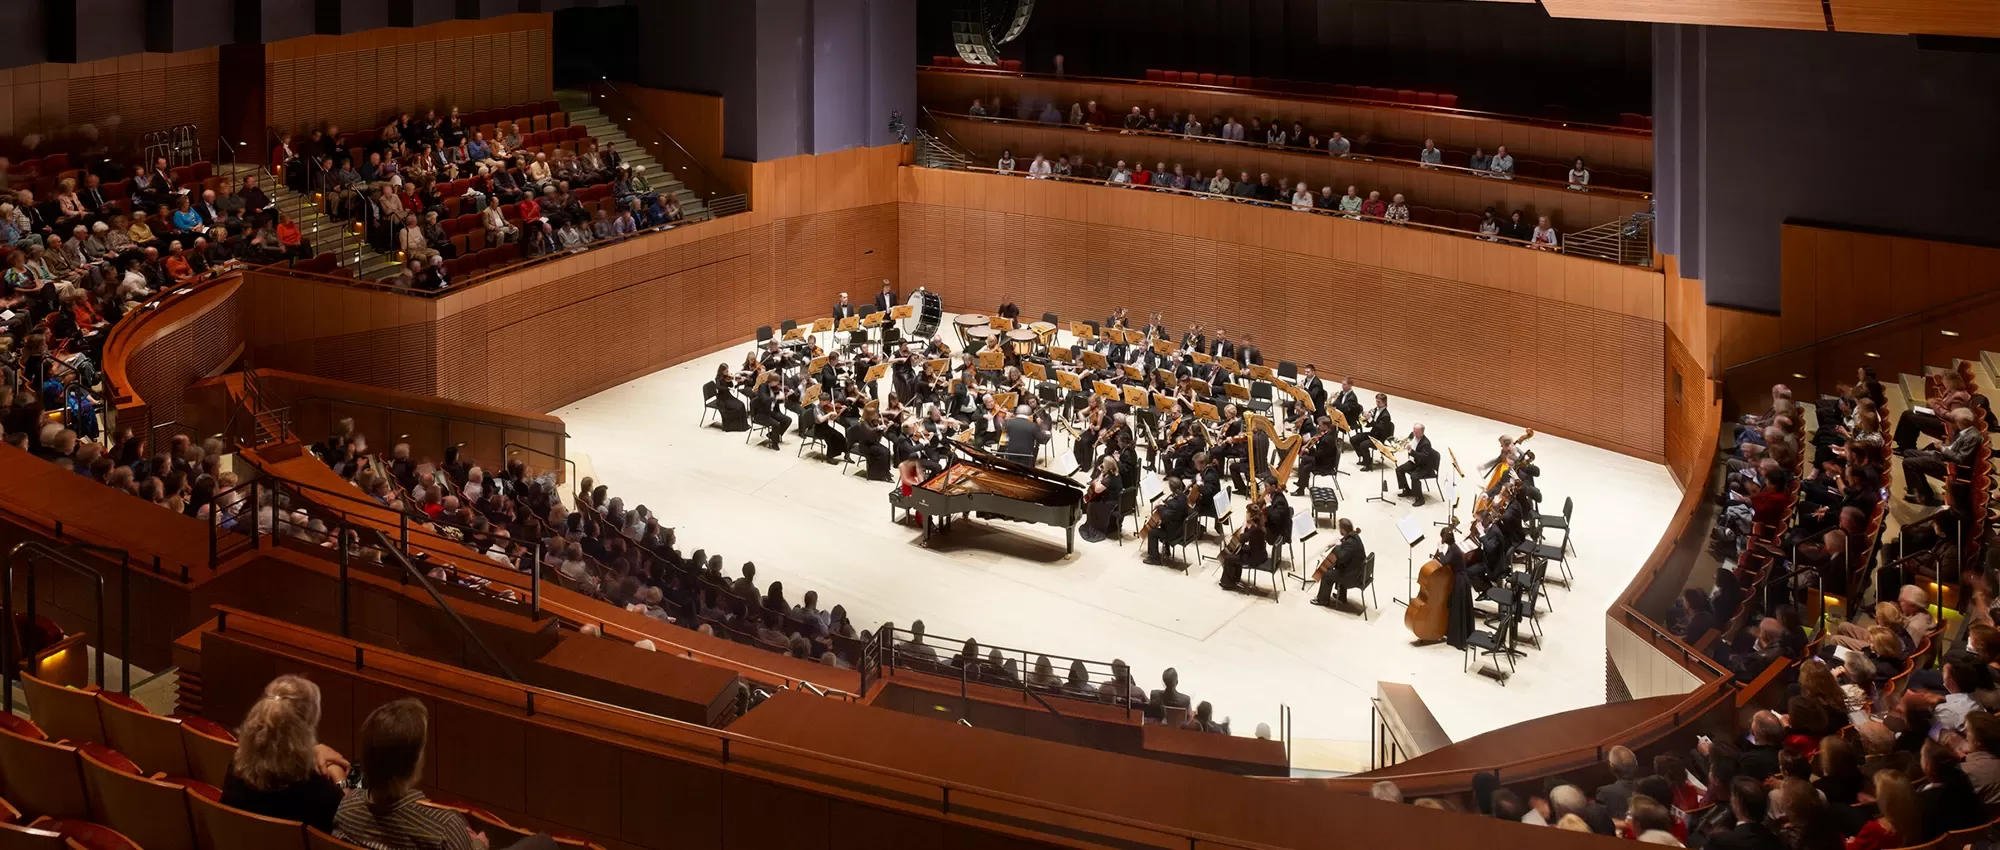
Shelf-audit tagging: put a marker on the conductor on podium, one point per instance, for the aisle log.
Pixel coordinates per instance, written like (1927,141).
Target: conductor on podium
(1423,463)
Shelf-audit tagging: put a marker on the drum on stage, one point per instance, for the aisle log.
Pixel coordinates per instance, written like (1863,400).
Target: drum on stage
(977,339)
(1023,341)
(966,323)
(929,311)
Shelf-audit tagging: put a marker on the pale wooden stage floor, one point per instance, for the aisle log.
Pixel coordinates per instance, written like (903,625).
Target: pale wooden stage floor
(1008,583)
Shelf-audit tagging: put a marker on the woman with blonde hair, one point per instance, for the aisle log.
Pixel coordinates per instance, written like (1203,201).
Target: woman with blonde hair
(1899,822)
(280,769)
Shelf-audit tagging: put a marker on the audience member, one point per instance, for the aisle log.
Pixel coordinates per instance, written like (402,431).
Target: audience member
(279,769)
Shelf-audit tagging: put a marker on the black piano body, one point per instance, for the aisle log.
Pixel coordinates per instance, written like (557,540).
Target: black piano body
(981,482)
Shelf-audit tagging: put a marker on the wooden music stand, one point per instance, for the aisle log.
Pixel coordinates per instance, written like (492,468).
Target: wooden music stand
(901,311)
(795,334)
(1339,421)
(1230,365)
(1060,354)
(1135,397)
(809,397)
(1203,359)
(851,324)
(1166,376)
(938,365)
(1236,392)
(1094,360)
(1069,380)
(1034,371)
(1299,395)
(1007,401)
(992,360)
(1204,410)
(1163,402)
(875,372)
(817,364)
(1261,372)
(822,325)
(1000,323)
(1133,373)
(1107,389)
(873,404)
(1082,331)
(1164,347)
(1116,336)
(1202,389)
(873,320)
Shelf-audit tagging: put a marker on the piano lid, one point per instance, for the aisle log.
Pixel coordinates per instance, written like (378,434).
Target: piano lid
(980,457)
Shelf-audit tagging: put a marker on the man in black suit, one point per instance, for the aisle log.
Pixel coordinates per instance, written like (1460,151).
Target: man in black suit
(1324,456)
(1219,346)
(865,438)
(1314,388)
(1021,439)
(768,409)
(886,299)
(1347,402)
(1423,463)
(1173,513)
(842,308)
(1349,570)
(1249,354)
(1749,802)
(1373,425)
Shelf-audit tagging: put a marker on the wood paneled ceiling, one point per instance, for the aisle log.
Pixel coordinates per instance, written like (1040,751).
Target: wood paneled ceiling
(1979,18)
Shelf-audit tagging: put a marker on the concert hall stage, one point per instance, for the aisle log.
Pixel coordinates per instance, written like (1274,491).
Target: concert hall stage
(1009,584)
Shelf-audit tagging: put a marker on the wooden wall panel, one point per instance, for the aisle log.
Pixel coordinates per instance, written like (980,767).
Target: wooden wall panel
(1775,14)
(1569,345)
(1628,152)
(364,79)
(119,99)
(194,337)
(1569,210)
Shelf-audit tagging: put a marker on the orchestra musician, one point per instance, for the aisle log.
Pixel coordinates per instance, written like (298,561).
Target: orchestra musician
(1101,499)
(1277,512)
(768,409)
(1193,340)
(1346,401)
(734,415)
(826,426)
(1349,566)
(842,308)
(865,436)
(1247,547)
(1376,425)
(1321,454)
(886,299)
(1249,354)
(1423,463)
(1219,345)
(1169,520)
(1207,483)
(1459,616)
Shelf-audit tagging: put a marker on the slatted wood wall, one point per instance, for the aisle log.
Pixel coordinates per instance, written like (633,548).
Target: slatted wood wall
(205,333)
(1575,347)
(120,99)
(365,79)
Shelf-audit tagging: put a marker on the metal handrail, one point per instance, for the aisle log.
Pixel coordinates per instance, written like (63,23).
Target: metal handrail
(532,696)
(36,553)
(410,570)
(1266,147)
(573,479)
(1509,117)
(1026,658)
(639,115)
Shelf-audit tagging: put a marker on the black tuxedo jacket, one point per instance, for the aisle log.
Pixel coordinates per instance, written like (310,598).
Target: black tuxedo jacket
(842,311)
(884,301)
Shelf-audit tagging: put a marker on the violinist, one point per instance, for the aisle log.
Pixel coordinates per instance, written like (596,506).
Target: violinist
(1247,547)
(1349,567)
(827,427)
(865,437)
(768,409)
(1423,463)
(1460,616)
(1207,483)
(1374,425)
(734,414)
(1169,520)
(1101,500)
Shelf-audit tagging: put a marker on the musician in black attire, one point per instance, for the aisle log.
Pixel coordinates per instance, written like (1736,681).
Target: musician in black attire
(1493,548)
(1423,463)
(1374,424)
(1349,568)
(1249,354)
(1171,520)
(1220,346)
(886,299)
(1322,456)
(1251,548)
(1459,617)
(1101,513)
(735,416)
(1277,512)
(1021,438)
(1259,452)
(1347,402)
(1207,483)
(768,409)
(865,437)
(826,426)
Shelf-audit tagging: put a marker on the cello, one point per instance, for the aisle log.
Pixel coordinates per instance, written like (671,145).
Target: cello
(1429,614)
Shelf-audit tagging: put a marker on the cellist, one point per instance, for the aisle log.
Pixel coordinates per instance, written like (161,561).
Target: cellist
(1460,617)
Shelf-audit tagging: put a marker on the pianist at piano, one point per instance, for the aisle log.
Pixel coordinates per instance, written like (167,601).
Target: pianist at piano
(1002,563)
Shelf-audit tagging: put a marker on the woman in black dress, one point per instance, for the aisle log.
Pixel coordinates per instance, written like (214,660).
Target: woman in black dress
(1104,493)
(1459,618)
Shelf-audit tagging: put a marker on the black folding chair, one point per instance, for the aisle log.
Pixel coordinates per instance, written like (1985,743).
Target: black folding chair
(1491,644)
(708,407)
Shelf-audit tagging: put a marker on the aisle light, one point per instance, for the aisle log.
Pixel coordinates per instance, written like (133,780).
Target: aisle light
(1949,333)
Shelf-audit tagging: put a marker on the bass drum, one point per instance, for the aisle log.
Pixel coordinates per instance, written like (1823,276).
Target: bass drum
(929,310)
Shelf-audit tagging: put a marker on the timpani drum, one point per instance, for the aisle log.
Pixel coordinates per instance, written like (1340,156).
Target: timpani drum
(1023,341)
(968,322)
(929,310)
(1046,331)
(977,339)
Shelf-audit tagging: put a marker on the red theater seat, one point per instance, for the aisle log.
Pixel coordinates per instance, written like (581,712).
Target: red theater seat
(1449,101)
(1227,81)
(1207,79)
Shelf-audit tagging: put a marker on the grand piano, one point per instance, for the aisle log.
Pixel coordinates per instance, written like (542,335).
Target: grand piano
(980,482)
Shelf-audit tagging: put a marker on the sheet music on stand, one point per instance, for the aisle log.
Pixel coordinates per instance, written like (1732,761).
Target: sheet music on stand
(1303,527)
(1151,485)
(1221,502)
(1411,528)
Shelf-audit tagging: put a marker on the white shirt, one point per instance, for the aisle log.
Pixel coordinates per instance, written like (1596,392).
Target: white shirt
(1040,169)
(1302,201)
(1006,165)
(1545,236)
(1503,165)
(1579,178)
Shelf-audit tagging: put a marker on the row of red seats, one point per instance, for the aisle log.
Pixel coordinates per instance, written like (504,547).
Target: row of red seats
(1340,90)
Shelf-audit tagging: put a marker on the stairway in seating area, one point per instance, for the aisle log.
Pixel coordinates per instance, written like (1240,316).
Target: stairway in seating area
(609,136)
(323,232)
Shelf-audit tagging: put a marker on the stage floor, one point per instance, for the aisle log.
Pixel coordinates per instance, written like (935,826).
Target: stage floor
(1009,583)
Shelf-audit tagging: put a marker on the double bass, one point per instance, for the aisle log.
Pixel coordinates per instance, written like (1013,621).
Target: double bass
(1429,614)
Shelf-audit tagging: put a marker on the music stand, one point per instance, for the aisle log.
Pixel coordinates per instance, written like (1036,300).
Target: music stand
(1106,389)
(1060,354)
(875,373)
(992,360)
(1094,360)
(1338,418)
(1236,392)
(1007,401)
(1166,377)
(809,397)
(901,312)
(1164,348)
(1034,371)
(1262,372)
(1082,331)
(1135,397)
(796,334)
(873,320)
(1000,323)
(817,363)
(823,324)
(1163,402)
(1202,389)
(1203,359)
(938,365)
(850,326)
(1204,410)
(1413,534)
(1230,365)
(1069,380)
(1382,472)
(1132,373)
